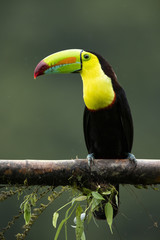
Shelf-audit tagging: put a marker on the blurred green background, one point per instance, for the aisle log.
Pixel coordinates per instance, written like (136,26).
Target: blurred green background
(42,119)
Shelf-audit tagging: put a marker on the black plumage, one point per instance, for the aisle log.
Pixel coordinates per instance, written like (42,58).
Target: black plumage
(109,132)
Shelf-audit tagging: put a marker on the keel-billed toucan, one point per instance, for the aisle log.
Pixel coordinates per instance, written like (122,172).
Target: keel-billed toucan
(108,127)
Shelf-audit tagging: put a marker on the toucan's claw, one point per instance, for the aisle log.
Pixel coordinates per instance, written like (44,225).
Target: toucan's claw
(132,158)
(90,158)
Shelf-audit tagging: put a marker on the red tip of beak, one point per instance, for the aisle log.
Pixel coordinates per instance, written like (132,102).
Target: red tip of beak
(40,69)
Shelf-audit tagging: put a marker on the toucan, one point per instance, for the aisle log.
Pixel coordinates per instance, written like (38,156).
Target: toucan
(107,123)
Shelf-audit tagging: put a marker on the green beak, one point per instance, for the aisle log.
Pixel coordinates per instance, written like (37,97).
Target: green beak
(67,61)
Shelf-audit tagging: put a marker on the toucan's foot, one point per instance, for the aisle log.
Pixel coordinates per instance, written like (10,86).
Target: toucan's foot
(90,158)
(132,158)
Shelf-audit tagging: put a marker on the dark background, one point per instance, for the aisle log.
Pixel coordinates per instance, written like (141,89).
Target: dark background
(42,119)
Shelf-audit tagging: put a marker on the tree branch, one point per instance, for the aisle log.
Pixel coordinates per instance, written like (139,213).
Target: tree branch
(69,172)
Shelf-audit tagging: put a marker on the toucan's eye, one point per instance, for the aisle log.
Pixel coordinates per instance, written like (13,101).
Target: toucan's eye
(86,57)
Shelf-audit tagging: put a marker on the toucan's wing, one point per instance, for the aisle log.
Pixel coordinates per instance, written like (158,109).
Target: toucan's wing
(126,119)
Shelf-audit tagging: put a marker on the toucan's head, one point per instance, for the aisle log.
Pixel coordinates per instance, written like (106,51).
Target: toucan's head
(71,61)
(96,73)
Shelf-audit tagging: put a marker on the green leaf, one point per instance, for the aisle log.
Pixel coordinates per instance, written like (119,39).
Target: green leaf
(59,229)
(116,198)
(109,215)
(27,212)
(55,218)
(89,216)
(81,198)
(83,236)
(107,193)
(98,196)
(95,203)
(79,223)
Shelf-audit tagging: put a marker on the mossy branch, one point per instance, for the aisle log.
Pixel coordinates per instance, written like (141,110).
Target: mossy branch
(68,172)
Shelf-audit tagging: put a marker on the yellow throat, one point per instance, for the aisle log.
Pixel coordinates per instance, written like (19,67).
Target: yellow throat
(98,92)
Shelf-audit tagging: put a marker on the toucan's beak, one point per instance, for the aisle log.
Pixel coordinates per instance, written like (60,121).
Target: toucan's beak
(67,61)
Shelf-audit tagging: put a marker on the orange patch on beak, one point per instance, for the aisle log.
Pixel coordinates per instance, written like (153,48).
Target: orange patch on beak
(66,61)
